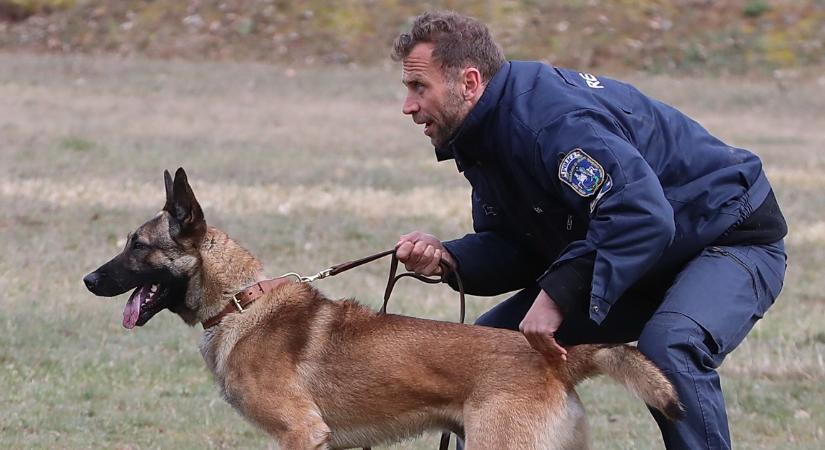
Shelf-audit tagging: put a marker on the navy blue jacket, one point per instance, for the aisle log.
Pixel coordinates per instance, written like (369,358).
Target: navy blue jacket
(573,171)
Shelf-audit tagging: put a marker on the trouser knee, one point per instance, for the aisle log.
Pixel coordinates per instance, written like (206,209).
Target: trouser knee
(488,319)
(509,313)
(676,343)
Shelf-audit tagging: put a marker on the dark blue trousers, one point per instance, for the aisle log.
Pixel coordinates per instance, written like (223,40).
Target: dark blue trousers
(686,329)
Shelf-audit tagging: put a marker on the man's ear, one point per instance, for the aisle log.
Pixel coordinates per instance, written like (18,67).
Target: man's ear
(183,207)
(471,81)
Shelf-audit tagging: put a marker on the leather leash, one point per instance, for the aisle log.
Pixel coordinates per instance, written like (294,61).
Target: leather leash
(244,298)
(444,444)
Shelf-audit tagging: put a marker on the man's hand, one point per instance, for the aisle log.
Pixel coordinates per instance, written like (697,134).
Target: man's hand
(422,253)
(540,324)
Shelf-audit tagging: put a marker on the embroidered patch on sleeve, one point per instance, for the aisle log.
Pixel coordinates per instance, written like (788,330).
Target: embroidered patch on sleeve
(581,172)
(606,186)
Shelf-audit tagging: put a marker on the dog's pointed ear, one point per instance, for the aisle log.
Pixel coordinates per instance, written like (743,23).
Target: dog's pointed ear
(167,180)
(184,207)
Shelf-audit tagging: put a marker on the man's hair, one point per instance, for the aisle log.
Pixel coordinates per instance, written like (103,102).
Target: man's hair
(458,42)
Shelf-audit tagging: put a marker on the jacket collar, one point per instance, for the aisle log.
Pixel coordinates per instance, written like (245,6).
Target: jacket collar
(468,138)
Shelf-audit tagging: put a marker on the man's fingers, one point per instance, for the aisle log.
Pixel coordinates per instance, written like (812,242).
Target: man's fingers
(557,349)
(531,340)
(432,257)
(561,350)
(410,237)
(417,255)
(403,251)
(536,341)
(417,259)
(421,253)
(428,253)
(545,344)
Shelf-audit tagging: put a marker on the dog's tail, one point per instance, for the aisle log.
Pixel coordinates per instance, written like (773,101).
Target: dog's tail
(626,365)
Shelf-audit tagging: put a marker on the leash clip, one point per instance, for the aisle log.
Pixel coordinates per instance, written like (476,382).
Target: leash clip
(309,279)
(318,276)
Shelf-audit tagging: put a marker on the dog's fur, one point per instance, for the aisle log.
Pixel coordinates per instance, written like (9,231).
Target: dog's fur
(316,373)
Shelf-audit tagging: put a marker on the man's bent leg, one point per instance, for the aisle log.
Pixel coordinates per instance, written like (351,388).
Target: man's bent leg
(509,313)
(624,323)
(712,305)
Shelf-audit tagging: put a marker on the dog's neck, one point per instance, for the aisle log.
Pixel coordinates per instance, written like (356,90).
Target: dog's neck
(226,268)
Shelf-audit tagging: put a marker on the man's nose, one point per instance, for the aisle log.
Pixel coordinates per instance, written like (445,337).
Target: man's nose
(410,106)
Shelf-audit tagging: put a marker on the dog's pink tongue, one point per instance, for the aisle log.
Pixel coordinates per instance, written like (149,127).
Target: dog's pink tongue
(132,310)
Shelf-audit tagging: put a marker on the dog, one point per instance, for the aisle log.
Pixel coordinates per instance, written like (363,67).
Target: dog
(321,374)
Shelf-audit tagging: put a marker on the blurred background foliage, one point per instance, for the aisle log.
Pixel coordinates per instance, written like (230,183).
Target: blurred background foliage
(736,36)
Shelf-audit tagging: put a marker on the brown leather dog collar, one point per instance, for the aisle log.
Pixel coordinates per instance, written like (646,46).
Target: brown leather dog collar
(246,297)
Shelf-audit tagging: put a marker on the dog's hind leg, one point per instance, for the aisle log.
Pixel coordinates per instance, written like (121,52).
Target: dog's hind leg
(563,427)
(502,425)
(534,425)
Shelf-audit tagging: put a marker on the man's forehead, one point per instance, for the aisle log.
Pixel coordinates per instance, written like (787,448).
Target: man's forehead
(418,62)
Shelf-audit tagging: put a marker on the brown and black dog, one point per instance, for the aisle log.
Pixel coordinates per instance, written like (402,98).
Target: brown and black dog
(316,373)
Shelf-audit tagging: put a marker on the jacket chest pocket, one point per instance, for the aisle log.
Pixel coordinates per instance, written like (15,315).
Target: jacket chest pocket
(487,212)
(559,221)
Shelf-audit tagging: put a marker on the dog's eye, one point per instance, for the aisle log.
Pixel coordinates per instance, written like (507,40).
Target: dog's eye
(137,245)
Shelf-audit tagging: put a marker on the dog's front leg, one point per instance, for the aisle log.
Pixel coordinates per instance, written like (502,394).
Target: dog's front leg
(305,435)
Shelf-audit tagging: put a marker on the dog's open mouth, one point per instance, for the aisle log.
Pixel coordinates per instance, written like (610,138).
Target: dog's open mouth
(142,305)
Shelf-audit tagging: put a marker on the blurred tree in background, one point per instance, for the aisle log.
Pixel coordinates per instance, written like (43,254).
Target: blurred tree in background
(653,35)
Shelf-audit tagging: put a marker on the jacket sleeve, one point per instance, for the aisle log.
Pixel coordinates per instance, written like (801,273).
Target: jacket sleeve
(588,160)
(492,261)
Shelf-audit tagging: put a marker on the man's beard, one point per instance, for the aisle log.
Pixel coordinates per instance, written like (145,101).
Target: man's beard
(452,117)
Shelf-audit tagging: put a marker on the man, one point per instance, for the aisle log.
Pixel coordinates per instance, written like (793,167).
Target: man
(615,217)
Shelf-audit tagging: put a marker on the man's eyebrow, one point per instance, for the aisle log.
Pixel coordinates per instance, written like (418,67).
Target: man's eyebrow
(410,80)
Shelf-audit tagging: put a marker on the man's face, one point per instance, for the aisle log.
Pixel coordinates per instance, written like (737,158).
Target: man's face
(432,100)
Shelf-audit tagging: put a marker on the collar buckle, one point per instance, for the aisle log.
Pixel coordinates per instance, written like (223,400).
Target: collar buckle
(237,303)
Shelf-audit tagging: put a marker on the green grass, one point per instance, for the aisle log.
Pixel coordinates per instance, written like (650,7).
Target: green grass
(326,169)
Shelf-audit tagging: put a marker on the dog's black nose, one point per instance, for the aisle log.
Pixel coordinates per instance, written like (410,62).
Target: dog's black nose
(91,281)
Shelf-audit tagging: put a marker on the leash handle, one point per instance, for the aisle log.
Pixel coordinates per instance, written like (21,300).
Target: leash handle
(393,277)
(445,270)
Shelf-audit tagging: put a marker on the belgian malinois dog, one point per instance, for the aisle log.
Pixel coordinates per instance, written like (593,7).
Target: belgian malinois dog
(318,374)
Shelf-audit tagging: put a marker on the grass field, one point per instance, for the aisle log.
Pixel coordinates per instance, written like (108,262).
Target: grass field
(308,169)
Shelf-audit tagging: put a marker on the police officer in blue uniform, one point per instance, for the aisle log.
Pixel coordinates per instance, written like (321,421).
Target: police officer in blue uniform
(613,216)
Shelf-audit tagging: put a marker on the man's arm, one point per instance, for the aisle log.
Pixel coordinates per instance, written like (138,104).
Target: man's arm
(540,324)
(597,172)
(488,263)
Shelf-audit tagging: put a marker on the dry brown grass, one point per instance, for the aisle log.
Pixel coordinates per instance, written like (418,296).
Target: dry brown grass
(324,168)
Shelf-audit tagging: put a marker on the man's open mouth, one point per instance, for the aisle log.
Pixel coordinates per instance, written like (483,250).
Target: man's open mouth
(142,305)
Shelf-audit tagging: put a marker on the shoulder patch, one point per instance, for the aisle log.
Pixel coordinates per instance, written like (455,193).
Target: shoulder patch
(606,186)
(581,172)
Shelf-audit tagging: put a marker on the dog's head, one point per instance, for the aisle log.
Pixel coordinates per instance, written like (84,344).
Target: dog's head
(159,258)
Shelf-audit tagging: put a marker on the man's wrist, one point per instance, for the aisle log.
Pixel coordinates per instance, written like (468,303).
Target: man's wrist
(550,303)
(448,258)
(569,283)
